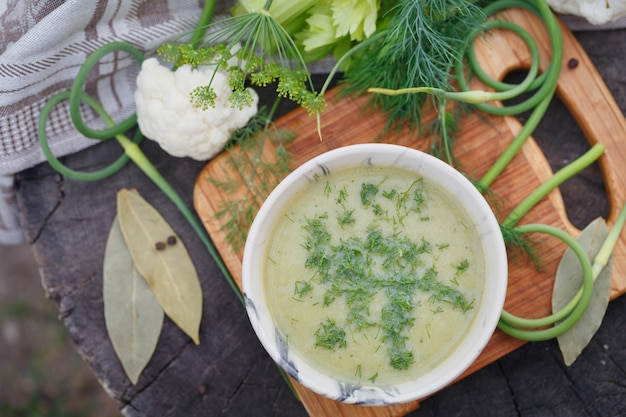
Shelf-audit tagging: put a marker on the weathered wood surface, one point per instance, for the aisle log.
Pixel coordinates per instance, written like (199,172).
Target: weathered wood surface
(480,140)
(229,373)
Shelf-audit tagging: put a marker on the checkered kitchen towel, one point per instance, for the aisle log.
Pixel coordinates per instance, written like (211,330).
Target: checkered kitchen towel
(42,45)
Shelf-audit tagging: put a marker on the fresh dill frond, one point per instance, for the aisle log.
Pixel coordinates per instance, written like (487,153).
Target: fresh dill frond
(253,174)
(520,246)
(302,288)
(420,46)
(443,293)
(461,267)
(358,372)
(330,336)
(255,125)
(345,217)
(343,195)
(368,192)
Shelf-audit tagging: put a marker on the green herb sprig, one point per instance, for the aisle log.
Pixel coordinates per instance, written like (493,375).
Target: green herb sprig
(257,174)
(417,44)
(330,336)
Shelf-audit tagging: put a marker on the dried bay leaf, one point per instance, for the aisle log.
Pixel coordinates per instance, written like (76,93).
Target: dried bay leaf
(132,314)
(167,268)
(569,279)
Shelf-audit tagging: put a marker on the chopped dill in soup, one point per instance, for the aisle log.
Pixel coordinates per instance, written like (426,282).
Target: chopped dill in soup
(373,274)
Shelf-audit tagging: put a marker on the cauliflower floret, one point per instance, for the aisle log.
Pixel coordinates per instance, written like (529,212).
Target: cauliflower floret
(597,12)
(166,115)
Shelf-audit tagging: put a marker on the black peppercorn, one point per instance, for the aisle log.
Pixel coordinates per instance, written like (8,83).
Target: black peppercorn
(159,245)
(572,63)
(171,240)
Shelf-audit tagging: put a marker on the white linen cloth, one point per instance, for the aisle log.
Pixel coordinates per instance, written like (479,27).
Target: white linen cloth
(42,45)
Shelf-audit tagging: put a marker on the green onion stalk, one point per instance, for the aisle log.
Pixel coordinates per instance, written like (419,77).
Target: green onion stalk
(542,97)
(564,319)
(569,315)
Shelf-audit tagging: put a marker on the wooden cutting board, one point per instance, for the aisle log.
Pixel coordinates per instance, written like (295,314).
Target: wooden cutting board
(480,141)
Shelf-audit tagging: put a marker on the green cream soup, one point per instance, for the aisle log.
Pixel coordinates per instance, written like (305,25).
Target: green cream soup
(373,273)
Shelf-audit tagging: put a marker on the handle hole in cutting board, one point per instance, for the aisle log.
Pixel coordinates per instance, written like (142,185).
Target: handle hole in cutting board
(580,209)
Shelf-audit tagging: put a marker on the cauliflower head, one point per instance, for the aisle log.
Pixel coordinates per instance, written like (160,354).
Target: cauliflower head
(597,12)
(166,114)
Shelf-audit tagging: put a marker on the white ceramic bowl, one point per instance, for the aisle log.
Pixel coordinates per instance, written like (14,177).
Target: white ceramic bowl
(488,310)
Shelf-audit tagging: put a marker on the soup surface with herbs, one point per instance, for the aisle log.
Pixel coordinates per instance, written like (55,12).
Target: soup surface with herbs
(373,274)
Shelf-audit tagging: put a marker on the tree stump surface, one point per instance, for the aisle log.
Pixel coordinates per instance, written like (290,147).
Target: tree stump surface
(229,373)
